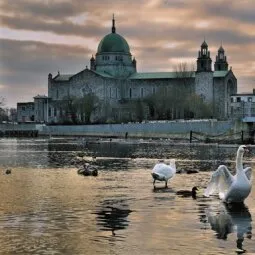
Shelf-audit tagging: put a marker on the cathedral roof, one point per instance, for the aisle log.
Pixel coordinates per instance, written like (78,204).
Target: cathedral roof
(220,73)
(113,43)
(144,76)
(62,77)
(157,75)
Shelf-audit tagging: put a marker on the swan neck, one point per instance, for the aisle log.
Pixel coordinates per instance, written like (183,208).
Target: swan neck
(239,162)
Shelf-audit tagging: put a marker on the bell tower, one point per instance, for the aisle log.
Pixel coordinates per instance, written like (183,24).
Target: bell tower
(221,63)
(92,63)
(204,61)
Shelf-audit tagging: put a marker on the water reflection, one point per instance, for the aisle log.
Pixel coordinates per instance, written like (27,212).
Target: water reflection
(59,152)
(112,215)
(229,219)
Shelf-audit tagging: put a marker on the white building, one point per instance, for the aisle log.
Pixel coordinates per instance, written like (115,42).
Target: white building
(243,106)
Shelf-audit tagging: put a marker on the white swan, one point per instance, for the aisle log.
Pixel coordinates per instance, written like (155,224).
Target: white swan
(163,172)
(231,188)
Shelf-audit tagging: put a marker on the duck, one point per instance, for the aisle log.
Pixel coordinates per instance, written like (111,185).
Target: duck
(163,172)
(231,188)
(8,171)
(88,170)
(188,193)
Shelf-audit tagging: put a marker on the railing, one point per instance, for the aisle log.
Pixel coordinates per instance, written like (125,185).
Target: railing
(243,137)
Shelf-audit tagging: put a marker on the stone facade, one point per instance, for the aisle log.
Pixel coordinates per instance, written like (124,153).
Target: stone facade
(25,112)
(114,80)
(41,108)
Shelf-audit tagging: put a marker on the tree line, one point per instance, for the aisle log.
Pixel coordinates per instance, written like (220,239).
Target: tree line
(171,105)
(7,114)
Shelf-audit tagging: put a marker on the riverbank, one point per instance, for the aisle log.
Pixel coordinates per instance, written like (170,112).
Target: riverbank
(210,130)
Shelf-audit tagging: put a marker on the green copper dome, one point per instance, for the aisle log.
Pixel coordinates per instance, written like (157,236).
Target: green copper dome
(113,43)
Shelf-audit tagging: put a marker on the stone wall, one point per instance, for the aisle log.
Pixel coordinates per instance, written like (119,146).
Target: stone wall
(204,85)
(156,129)
(227,130)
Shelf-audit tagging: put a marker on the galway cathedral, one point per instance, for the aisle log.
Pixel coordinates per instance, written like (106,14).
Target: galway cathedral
(112,78)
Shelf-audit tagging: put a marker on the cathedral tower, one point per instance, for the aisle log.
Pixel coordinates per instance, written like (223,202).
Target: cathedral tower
(204,74)
(204,61)
(221,63)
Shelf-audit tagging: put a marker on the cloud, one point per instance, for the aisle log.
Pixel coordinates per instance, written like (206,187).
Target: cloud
(39,37)
(25,65)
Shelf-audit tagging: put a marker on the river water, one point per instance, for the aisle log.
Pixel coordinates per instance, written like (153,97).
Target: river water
(47,208)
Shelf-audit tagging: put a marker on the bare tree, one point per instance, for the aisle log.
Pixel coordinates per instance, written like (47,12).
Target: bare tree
(2,102)
(185,73)
(68,105)
(139,110)
(86,106)
(161,104)
(197,107)
(3,112)
(13,114)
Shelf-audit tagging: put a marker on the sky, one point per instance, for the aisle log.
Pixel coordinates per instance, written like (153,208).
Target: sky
(38,37)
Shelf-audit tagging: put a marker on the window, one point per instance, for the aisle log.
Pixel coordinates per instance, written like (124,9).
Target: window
(118,58)
(238,99)
(231,100)
(141,92)
(110,92)
(55,112)
(130,92)
(49,113)
(57,94)
(116,92)
(23,108)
